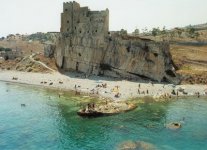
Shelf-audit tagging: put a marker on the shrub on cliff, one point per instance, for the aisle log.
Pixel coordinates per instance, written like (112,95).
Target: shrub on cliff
(5,49)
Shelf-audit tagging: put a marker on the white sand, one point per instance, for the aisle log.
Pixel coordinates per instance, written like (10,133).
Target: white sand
(127,89)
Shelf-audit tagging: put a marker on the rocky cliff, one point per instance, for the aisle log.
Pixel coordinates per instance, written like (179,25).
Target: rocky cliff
(97,51)
(116,56)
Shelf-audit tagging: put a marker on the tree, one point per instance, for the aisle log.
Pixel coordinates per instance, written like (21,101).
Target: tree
(179,33)
(155,31)
(191,31)
(136,32)
(5,49)
(145,31)
(196,35)
(171,35)
(123,32)
(2,38)
(164,30)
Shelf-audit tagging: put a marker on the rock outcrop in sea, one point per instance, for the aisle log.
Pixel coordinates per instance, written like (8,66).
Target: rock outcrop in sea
(136,145)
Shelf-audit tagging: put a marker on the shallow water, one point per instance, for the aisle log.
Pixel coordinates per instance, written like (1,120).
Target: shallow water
(50,122)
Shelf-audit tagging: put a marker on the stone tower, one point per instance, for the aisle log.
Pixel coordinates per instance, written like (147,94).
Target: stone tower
(80,21)
(82,38)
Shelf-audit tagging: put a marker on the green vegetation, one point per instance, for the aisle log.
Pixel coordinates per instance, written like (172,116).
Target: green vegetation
(155,31)
(145,31)
(192,32)
(5,49)
(123,32)
(2,38)
(136,32)
(43,37)
(10,35)
(185,32)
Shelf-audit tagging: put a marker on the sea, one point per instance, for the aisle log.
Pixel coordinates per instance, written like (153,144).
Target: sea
(35,118)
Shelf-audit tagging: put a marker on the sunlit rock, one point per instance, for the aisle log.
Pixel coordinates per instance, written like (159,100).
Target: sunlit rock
(139,145)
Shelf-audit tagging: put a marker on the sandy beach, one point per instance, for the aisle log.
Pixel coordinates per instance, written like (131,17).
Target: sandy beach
(102,87)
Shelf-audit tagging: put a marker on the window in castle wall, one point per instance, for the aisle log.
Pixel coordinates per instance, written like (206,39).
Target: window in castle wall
(77,66)
(75,28)
(68,21)
(66,9)
(155,54)
(67,29)
(96,31)
(80,31)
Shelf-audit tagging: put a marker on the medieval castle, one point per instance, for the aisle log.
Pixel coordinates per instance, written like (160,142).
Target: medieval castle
(86,45)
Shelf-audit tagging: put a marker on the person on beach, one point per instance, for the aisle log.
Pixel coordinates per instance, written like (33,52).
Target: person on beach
(147,91)
(173,92)
(151,83)
(77,93)
(89,106)
(198,95)
(117,95)
(93,106)
(138,91)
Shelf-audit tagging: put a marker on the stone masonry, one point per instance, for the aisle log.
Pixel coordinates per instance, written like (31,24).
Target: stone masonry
(86,45)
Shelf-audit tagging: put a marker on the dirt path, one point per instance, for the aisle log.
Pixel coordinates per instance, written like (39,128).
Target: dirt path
(39,62)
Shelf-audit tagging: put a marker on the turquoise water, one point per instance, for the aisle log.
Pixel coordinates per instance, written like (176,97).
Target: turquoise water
(50,122)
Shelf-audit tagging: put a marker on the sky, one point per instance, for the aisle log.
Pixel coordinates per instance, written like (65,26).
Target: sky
(31,16)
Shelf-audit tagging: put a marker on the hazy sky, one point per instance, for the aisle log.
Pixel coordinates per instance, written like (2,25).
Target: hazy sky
(30,16)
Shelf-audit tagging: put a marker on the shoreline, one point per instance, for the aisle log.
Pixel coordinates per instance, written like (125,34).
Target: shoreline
(101,87)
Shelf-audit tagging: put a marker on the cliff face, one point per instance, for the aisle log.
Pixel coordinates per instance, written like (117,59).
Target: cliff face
(140,57)
(96,51)
(117,56)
